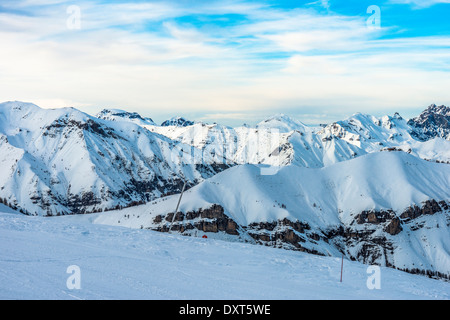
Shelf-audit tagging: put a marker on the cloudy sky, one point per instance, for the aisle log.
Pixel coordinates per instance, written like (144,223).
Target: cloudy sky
(229,61)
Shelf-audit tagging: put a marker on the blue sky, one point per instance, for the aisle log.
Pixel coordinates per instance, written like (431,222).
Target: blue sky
(230,61)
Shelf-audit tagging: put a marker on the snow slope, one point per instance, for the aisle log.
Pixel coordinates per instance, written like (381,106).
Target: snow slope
(121,263)
(371,134)
(63,161)
(333,203)
(281,140)
(283,123)
(123,115)
(331,191)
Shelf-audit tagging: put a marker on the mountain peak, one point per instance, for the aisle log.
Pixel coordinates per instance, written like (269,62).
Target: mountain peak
(281,117)
(431,123)
(441,110)
(177,121)
(397,116)
(122,115)
(283,123)
(18,105)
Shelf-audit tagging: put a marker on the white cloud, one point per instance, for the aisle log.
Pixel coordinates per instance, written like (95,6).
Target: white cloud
(323,3)
(273,59)
(419,4)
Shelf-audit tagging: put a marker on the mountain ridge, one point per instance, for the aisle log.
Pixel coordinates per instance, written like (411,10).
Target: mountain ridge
(125,159)
(397,218)
(64,161)
(359,187)
(432,122)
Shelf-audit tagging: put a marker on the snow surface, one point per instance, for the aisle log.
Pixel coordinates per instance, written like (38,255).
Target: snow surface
(122,263)
(305,146)
(60,154)
(385,180)
(63,161)
(283,123)
(52,157)
(325,199)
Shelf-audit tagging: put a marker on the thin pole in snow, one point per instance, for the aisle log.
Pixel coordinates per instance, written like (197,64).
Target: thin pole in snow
(178,204)
(179,200)
(342,265)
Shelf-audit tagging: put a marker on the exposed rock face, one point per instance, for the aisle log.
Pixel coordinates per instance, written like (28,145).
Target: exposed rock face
(394,227)
(429,207)
(376,244)
(177,121)
(284,234)
(212,220)
(375,217)
(388,218)
(432,122)
(370,239)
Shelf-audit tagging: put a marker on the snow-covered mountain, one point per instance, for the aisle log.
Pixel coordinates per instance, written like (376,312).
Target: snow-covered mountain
(432,122)
(360,186)
(177,121)
(235,145)
(281,140)
(283,123)
(122,115)
(387,208)
(64,161)
(371,134)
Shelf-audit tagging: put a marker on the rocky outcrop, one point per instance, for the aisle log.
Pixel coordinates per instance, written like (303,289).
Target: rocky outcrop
(393,223)
(394,227)
(431,123)
(429,207)
(178,122)
(370,239)
(212,219)
(375,245)
(388,218)
(284,233)
(375,217)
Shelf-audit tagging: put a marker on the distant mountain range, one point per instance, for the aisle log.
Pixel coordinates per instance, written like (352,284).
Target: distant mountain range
(64,161)
(374,189)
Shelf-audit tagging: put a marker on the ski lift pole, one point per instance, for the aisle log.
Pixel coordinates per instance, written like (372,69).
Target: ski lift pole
(178,204)
(342,265)
(179,200)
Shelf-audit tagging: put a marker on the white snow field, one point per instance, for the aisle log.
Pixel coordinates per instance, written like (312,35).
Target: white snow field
(325,199)
(123,263)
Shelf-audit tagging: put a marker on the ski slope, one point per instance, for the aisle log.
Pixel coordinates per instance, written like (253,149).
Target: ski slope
(63,161)
(325,200)
(123,263)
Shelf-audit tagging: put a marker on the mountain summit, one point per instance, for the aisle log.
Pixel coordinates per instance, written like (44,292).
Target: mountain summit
(283,123)
(432,122)
(178,122)
(122,115)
